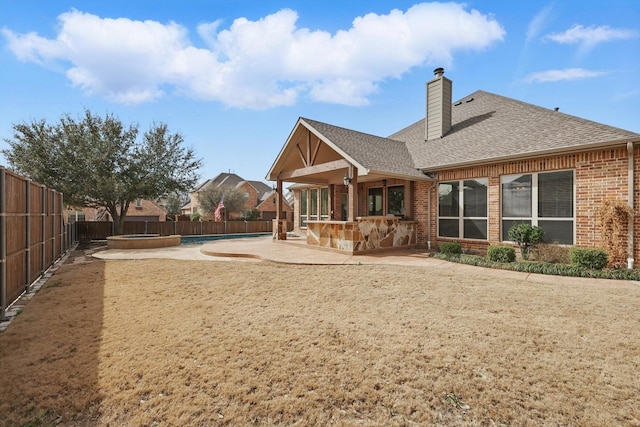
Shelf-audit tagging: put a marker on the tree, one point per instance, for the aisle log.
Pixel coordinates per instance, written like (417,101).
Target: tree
(234,200)
(98,162)
(174,202)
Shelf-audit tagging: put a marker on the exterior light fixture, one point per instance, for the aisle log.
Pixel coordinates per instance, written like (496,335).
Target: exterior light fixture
(346,180)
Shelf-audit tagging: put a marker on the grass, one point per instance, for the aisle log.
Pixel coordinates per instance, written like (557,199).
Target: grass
(159,342)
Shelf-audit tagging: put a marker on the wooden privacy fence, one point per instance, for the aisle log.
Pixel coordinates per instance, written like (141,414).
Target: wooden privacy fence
(100,230)
(32,234)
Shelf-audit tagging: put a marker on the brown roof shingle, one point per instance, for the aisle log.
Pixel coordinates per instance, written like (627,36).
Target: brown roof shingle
(372,152)
(488,127)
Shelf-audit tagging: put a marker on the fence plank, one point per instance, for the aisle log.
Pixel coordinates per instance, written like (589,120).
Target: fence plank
(100,230)
(31,233)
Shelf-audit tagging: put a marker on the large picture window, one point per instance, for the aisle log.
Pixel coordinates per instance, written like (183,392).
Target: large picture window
(544,199)
(462,209)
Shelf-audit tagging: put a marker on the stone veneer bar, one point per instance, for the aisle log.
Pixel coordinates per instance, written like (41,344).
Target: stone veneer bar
(366,234)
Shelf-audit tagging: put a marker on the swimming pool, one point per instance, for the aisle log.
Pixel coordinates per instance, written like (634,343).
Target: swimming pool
(198,240)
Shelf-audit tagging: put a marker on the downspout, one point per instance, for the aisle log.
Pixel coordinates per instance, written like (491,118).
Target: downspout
(630,187)
(429,215)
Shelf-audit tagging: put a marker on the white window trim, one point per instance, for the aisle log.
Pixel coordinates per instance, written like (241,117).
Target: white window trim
(534,203)
(460,216)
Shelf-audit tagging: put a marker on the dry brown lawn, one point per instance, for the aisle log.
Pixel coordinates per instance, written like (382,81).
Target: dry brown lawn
(172,343)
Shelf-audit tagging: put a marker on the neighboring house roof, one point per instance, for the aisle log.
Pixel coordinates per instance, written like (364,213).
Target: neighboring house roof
(369,152)
(263,189)
(488,127)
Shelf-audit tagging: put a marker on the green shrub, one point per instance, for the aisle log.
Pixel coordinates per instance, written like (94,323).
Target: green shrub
(525,236)
(450,248)
(543,267)
(595,259)
(498,253)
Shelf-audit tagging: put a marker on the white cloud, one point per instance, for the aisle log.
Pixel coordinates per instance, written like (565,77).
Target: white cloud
(588,37)
(538,22)
(562,75)
(255,64)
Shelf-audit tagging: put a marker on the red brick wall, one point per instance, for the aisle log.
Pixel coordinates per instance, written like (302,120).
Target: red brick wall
(598,174)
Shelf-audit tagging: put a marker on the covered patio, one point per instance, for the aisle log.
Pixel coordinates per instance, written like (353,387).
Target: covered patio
(353,191)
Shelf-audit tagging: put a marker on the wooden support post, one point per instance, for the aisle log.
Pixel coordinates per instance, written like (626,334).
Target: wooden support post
(353,194)
(281,224)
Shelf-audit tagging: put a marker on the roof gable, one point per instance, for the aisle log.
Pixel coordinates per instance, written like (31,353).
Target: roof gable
(370,154)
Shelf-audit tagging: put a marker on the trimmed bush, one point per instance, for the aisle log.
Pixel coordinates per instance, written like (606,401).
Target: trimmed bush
(525,236)
(595,259)
(450,248)
(498,253)
(543,267)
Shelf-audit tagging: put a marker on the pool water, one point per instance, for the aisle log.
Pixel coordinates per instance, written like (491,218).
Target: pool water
(198,240)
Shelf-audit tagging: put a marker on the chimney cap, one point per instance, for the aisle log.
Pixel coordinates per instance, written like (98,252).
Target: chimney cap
(438,72)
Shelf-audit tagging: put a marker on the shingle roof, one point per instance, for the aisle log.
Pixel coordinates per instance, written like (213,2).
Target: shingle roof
(488,127)
(372,152)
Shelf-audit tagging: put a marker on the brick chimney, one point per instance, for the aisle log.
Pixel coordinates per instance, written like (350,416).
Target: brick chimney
(439,94)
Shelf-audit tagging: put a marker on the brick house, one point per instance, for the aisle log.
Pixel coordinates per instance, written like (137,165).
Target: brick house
(466,172)
(258,196)
(140,210)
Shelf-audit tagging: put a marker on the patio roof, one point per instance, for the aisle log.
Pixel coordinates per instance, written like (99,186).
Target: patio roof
(320,153)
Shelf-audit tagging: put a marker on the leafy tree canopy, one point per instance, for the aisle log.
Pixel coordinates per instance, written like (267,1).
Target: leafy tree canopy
(99,162)
(234,200)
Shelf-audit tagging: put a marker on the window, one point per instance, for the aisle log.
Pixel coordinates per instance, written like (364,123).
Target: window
(303,208)
(374,202)
(76,216)
(324,203)
(314,205)
(395,200)
(462,209)
(541,199)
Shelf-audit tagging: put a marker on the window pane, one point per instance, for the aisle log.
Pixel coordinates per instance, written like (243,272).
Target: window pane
(475,198)
(475,229)
(557,232)
(448,228)
(303,202)
(324,201)
(375,202)
(516,196)
(396,200)
(507,224)
(448,199)
(313,195)
(555,194)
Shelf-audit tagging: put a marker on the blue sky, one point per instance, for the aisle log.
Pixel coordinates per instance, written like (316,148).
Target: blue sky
(234,76)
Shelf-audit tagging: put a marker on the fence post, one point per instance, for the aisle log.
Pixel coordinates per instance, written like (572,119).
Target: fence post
(27,208)
(53,225)
(3,243)
(246,227)
(43,234)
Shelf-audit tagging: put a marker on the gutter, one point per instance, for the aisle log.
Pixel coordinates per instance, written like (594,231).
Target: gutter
(533,154)
(630,187)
